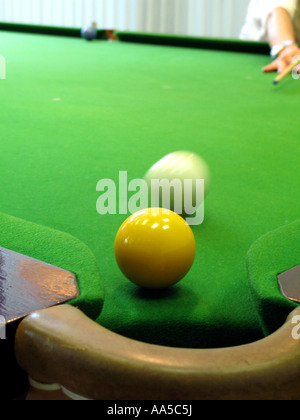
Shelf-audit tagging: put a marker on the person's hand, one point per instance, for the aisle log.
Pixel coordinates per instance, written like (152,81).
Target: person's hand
(284,59)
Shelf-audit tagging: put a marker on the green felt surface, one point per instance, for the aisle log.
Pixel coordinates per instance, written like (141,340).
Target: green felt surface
(75,112)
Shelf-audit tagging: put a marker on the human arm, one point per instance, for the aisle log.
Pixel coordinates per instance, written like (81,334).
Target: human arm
(280,29)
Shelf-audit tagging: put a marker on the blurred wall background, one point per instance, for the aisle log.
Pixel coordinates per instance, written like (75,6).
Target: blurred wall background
(212,18)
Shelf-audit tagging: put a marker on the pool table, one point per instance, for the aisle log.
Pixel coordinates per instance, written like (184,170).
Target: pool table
(75,112)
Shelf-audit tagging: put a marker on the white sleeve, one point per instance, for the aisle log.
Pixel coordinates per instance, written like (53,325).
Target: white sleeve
(255,27)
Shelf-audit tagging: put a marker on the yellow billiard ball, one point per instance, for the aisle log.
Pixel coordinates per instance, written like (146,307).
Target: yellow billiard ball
(155,248)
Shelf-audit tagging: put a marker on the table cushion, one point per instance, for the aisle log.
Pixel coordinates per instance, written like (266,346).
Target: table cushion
(59,249)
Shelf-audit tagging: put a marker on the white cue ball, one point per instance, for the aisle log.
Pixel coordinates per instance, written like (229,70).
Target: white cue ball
(182,165)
